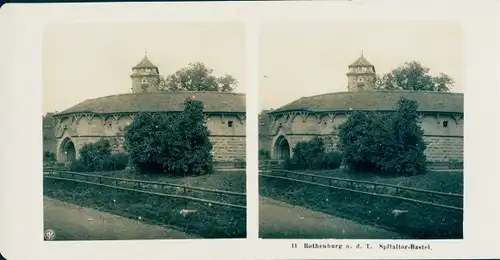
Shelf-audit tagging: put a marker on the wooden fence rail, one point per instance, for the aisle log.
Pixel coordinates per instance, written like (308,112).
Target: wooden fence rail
(376,184)
(63,176)
(354,183)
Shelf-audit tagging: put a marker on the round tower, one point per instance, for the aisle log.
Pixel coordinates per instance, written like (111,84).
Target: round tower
(361,75)
(145,76)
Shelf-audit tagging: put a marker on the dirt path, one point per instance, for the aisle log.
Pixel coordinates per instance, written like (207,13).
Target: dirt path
(71,222)
(281,220)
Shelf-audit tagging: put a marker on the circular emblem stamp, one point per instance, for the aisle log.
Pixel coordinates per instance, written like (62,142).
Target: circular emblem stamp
(49,234)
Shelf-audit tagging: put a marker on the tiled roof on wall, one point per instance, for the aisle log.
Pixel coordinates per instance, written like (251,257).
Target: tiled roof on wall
(378,101)
(157,102)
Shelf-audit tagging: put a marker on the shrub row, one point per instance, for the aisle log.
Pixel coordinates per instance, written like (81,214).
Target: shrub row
(49,156)
(312,155)
(98,157)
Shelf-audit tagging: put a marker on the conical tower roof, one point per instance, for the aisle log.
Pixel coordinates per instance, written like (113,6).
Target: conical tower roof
(145,64)
(361,62)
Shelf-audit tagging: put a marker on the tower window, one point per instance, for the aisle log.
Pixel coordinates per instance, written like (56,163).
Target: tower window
(445,123)
(144,81)
(229,123)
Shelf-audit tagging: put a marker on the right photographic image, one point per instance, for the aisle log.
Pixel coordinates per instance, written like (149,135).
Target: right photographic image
(361,130)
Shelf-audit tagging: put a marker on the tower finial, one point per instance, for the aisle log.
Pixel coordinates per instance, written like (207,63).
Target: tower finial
(146,52)
(361,53)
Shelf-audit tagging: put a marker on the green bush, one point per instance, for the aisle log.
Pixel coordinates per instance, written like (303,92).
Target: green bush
(118,161)
(384,142)
(312,155)
(331,160)
(264,154)
(306,154)
(98,157)
(171,143)
(288,164)
(93,157)
(49,156)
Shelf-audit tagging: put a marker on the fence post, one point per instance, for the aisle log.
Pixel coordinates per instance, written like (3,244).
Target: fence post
(185,199)
(100,180)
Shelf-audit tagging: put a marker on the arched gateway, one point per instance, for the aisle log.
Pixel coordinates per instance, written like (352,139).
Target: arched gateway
(281,148)
(68,152)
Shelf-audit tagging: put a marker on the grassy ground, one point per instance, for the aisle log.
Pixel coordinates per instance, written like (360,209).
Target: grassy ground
(420,221)
(210,220)
(449,181)
(219,180)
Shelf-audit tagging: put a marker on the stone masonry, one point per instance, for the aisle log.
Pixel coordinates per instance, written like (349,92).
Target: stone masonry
(228,148)
(440,149)
(444,148)
(228,142)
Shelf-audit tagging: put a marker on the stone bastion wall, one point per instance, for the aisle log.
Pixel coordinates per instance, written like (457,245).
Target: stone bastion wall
(227,134)
(443,133)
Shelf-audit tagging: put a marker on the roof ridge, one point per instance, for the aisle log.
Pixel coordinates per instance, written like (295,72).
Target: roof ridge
(377,100)
(163,93)
(169,101)
(384,91)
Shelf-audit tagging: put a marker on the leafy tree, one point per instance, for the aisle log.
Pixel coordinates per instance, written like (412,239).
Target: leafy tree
(195,135)
(384,142)
(197,77)
(173,143)
(414,76)
(49,156)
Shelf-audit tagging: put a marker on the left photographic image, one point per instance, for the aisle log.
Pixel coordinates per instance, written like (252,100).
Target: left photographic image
(144,131)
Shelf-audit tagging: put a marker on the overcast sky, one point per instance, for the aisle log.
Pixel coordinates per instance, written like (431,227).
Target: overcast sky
(82,61)
(308,58)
